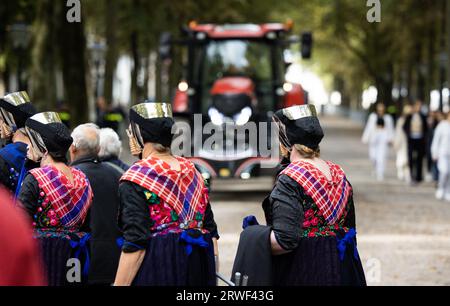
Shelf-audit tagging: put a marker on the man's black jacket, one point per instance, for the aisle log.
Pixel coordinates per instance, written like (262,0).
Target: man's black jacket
(105,253)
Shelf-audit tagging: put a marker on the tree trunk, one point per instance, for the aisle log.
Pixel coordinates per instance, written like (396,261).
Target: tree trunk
(175,73)
(111,53)
(136,66)
(447,18)
(409,81)
(384,86)
(431,54)
(146,69)
(442,56)
(5,76)
(44,56)
(158,79)
(73,61)
(420,72)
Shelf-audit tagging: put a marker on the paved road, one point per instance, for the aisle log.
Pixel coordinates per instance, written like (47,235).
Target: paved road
(403,232)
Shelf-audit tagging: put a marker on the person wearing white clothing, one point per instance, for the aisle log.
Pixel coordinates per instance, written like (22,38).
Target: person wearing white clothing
(440,150)
(401,147)
(378,134)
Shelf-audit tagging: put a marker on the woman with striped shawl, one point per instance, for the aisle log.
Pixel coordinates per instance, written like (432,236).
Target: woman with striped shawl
(169,232)
(311,210)
(57,198)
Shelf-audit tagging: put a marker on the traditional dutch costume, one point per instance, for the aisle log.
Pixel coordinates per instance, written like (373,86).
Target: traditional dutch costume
(310,215)
(15,109)
(166,212)
(57,206)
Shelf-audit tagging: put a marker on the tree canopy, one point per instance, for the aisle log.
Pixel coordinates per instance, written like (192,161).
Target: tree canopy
(404,51)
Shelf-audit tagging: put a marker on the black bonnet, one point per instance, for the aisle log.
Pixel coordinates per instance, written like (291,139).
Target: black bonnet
(19,106)
(55,135)
(155,122)
(299,125)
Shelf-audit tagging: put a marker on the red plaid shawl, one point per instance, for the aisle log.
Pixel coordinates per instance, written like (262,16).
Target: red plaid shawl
(71,202)
(331,197)
(184,191)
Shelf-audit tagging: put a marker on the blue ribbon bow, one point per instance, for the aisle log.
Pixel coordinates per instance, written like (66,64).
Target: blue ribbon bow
(121,242)
(191,241)
(348,240)
(249,221)
(82,246)
(23,173)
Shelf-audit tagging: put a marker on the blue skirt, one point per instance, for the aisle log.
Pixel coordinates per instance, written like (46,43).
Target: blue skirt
(317,262)
(55,254)
(167,262)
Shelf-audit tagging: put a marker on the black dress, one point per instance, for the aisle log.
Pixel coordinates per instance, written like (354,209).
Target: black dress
(299,227)
(173,257)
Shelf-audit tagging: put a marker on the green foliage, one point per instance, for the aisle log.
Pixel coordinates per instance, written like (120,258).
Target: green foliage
(385,54)
(402,50)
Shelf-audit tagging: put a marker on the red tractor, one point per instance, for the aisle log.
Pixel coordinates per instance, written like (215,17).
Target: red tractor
(234,74)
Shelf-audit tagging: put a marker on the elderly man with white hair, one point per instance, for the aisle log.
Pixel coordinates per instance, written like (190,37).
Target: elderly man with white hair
(110,149)
(104,180)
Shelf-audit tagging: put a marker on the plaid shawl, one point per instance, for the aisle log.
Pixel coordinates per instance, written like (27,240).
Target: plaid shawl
(71,202)
(183,190)
(331,197)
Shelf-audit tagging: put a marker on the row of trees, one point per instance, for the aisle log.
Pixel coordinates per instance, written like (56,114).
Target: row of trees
(132,27)
(405,50)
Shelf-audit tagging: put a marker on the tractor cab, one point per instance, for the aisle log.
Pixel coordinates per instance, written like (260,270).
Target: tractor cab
(233,75)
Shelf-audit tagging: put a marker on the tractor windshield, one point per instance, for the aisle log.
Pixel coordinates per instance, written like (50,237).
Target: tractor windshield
(237,58)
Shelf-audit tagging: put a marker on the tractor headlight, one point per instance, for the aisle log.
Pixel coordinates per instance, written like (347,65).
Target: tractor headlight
(183,86)
(216,117)
(243,117)
(288,87)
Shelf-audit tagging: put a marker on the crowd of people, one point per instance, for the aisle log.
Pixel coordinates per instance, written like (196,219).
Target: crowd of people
(69,202)
(421,142)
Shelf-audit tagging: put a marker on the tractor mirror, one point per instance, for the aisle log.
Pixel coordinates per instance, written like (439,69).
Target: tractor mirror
(307,44)
(165,46)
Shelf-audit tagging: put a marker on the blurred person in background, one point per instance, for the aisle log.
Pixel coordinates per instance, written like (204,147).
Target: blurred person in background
(440,150)
(64,113)
(416,129)
(401,147)
(19,254)
(110,149)
(109,116)
(15,109)
(434,118)
(379,133)
(104,180)
(57,199)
